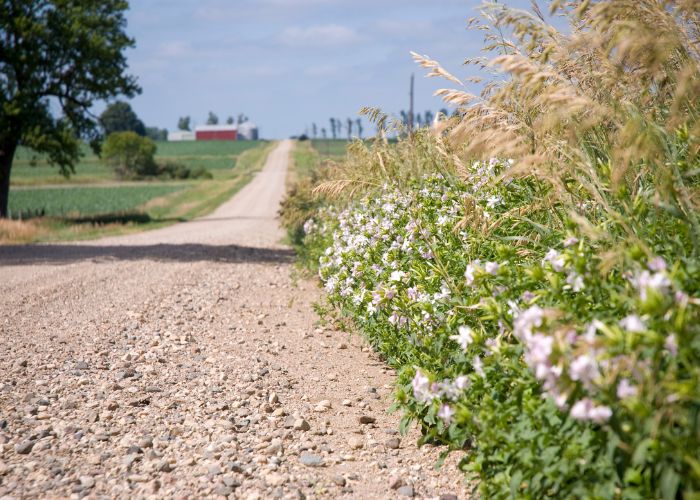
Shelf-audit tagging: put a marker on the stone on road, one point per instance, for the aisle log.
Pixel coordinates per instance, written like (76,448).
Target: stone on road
(187,362)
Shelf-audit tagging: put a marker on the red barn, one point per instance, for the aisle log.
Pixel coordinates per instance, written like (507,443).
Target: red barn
(216,133)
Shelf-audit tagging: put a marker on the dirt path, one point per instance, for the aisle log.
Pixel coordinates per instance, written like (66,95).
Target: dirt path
(186,362)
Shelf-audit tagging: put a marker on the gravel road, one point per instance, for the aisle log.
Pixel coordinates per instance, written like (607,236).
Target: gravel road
(187,362)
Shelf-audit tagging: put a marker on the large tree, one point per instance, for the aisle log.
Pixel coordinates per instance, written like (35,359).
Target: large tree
(119,117)
(57,57)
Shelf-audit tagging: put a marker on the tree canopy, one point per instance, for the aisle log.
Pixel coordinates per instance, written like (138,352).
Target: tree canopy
(119,117)
(212,119)
(57,57)
(183,123)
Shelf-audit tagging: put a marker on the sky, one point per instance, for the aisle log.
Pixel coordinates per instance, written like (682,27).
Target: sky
(289,63)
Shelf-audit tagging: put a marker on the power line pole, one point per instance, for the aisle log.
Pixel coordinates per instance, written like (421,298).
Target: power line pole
(410,109)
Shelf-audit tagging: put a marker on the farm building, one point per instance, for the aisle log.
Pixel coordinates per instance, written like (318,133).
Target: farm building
(181,135)
(248,131)
(216,132)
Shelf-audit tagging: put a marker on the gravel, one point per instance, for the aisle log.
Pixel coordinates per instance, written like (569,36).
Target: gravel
(188,362)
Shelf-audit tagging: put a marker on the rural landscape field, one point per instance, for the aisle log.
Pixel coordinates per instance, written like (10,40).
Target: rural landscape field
(484,283)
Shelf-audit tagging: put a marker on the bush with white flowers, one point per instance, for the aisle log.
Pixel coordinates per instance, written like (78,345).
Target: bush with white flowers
(562,363)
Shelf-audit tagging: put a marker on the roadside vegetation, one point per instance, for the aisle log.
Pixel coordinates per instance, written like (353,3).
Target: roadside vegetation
(531,267)
(84,210)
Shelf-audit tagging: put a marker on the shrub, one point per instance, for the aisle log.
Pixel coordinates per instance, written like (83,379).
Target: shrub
(130,155)
(174,170)
(543,313)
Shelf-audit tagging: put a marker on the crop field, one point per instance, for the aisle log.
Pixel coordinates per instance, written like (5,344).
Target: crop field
(87,200)
(215,156)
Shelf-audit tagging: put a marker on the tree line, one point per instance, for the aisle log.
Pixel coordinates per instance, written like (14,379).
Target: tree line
(184,123)
(354,126)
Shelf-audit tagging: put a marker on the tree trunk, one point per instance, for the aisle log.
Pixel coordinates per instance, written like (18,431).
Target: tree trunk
(7,154)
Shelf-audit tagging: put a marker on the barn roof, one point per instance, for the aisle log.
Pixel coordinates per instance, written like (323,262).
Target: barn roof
(216,128)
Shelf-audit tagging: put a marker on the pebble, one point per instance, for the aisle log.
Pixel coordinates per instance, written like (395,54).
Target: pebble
(406,491)
(301,425)
(366,419)
(25,447)
(339,480)
(396,482)
(356,443)
(311,460)
(87,482)
(393,443)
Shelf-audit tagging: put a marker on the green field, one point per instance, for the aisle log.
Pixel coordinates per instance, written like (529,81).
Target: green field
(93,204)
(216,156)
(332,149)
(87,200)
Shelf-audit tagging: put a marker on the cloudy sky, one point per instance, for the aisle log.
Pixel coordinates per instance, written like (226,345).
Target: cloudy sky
(289,63)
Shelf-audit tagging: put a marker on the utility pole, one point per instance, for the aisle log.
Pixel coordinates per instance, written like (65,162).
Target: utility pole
(410,109)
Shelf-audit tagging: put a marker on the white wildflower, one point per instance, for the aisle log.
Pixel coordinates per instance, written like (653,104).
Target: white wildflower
(465,337)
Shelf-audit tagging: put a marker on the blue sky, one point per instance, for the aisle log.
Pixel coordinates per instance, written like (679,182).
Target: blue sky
(288,63)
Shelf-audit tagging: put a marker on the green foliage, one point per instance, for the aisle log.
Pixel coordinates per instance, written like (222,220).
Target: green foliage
(212,119)
(571,381)
(173,170)
(183,123)
(119,117)
(64,54)
(130,155)
(157,134)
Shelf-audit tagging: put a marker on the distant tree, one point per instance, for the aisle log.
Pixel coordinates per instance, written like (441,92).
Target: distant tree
(349,128)
(56,59)
(119,117)
(314,130)
(130,155)
(230,120)
(404,117)
(444,112)
(419,120)
(157,134)
(339,125)
(333,132)
(359,127)
(429,117)
(242,118)
(212,119)
(324,133)
(183,123)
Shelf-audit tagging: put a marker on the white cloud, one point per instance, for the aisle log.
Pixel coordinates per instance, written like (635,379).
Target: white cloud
(322,36)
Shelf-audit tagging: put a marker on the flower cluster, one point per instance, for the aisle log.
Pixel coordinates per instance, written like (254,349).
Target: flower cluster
(478,308)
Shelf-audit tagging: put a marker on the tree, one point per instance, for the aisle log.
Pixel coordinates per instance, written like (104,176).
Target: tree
(314,130)
(212,119)
(242,118)
(183,123)
(230,120)
(130,155)
(324,134)
(119,117)
(429,117)
(339,126)
(57,57)
(157,134)
(333,134)
(419,120)
(359,127)
(349,128)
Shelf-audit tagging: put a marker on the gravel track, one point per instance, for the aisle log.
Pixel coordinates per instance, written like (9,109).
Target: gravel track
(187,362)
